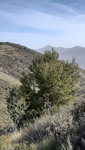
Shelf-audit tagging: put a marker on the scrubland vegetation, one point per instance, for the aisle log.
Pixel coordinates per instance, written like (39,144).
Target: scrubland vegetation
(44,111)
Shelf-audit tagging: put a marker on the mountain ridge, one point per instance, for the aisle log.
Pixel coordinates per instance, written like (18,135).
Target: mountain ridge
(48,47)
(77,52)
(15,59)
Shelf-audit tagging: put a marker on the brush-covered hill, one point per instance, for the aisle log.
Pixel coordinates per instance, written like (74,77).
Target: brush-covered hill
(14,60)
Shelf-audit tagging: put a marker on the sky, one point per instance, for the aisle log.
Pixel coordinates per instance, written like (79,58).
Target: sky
(37,23)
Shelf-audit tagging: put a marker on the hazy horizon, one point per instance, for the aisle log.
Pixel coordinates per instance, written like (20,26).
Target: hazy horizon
(35,24)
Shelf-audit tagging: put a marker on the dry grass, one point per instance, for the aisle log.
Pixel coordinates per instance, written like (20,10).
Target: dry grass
(11,80)
(54,132)
(44,127)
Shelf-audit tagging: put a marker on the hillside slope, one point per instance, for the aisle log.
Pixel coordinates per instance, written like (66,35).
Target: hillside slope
(14,60)
(9,79)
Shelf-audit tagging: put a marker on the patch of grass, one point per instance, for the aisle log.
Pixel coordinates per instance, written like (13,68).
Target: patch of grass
(5,143)
(48,144)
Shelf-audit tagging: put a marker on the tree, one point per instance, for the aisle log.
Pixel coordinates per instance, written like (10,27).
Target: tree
(50,83)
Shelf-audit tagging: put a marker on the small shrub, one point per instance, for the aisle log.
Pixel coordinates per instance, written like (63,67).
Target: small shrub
(5,143)
(48,144)
(32,147)
(21,146)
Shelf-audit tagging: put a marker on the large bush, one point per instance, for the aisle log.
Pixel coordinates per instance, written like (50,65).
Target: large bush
(49,84)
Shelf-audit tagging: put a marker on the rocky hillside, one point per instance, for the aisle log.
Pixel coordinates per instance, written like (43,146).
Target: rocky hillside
(14,60)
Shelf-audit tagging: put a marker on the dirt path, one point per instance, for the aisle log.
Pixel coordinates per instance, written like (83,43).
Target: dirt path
(9,79)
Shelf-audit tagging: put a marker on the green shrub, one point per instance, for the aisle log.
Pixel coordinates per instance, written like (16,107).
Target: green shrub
(5,143)
(32,147)
(48,145)
(49,84)
(21,146)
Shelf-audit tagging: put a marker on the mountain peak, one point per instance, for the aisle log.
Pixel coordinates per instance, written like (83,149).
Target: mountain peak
(77,52)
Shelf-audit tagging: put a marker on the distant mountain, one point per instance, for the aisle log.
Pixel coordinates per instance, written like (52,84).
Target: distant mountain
(48,47)
(68,53)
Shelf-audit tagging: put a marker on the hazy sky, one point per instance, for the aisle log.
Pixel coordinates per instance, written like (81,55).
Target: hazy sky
(37,23)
